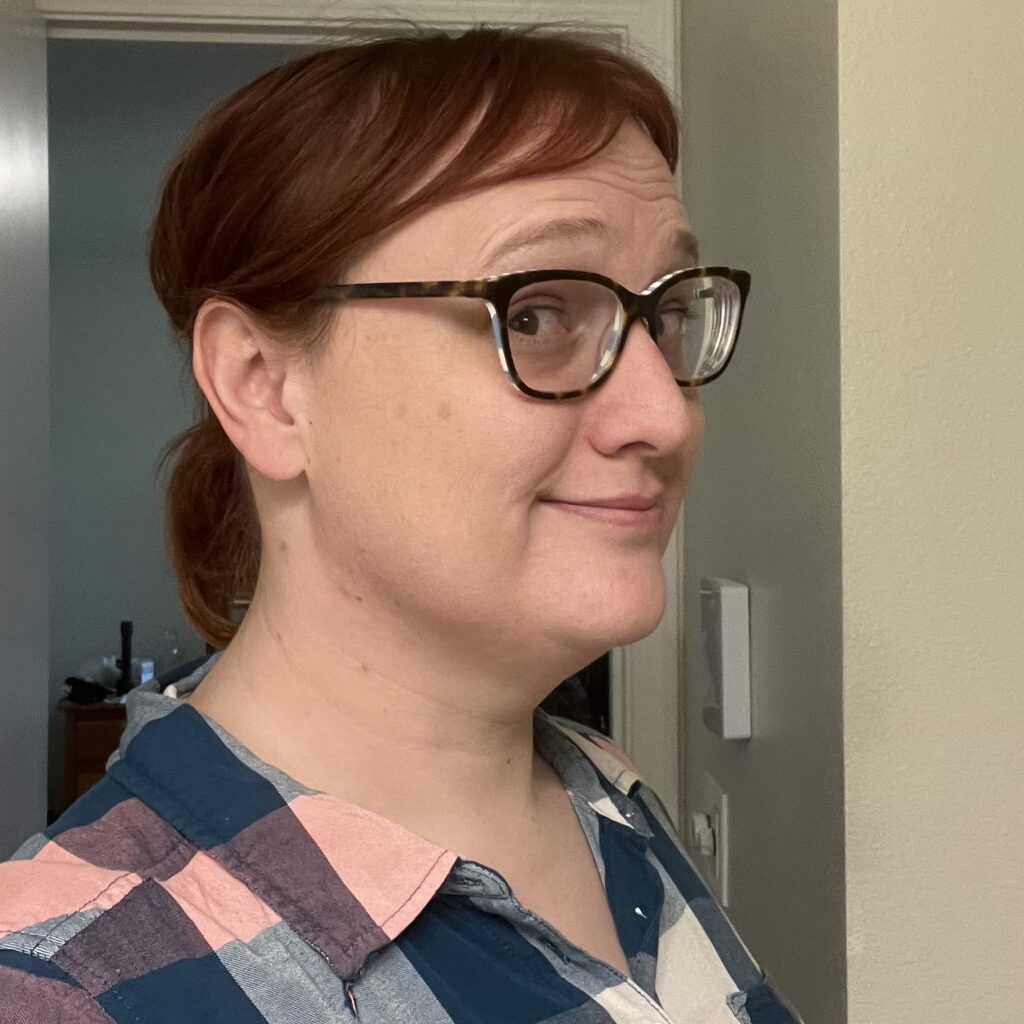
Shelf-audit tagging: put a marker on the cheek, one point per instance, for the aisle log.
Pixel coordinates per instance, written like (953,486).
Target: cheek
(391,392)
(421,438)
(444,463)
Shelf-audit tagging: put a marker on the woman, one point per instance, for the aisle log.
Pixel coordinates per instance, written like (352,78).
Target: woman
(444,496)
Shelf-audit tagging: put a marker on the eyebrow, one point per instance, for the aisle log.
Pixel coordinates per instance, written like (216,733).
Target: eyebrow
(683,244)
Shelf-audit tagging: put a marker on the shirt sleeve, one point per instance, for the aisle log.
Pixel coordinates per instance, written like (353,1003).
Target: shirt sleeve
(34,991)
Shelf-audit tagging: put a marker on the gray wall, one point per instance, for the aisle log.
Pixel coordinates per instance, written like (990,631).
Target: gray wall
(118,390)
(759,176)
(23,448)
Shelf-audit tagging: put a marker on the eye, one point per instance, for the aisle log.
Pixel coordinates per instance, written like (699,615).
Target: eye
(673,321)
(535,320)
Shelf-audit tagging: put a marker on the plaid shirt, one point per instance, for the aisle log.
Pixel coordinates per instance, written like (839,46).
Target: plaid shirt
(196,883)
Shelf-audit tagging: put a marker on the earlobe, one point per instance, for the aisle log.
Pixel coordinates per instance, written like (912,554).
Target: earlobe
(242,373)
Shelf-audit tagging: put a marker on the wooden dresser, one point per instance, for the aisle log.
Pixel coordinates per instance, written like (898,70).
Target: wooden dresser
(91,735)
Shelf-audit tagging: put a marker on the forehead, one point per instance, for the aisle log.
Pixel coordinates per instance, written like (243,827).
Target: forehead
(621,199)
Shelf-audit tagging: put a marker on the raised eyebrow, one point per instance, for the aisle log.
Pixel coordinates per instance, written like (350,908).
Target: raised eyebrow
(685,247)
(563,229)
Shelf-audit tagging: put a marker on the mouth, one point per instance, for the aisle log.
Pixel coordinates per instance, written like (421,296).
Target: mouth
(631,512)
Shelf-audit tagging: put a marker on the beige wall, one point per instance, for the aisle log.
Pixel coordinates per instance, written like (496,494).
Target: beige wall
(932,228)
(863,474)
(760,179)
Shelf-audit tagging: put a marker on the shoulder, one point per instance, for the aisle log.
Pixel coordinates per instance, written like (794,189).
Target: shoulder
(48,895)
(98,912)
(66,875)
(68,900)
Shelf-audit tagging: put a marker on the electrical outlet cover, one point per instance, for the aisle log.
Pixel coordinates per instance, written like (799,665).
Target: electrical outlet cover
(715,804)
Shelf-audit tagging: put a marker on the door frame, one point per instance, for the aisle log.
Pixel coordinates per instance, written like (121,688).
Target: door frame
(24,425)
(646,677)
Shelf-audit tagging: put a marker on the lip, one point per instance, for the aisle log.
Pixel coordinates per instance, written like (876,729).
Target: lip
(637,512)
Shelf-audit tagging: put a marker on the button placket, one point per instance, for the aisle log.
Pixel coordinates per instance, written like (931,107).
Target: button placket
(551,937)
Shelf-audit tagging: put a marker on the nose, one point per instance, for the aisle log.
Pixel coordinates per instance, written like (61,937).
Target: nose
(641,404)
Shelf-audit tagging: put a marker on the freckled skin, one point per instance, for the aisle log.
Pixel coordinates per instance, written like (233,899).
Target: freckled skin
(412,413)
(430,599)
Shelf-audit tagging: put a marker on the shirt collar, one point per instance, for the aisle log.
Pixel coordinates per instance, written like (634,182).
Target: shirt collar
(348,881)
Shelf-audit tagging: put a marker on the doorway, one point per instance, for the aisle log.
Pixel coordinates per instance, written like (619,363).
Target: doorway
(119,385)
(642,680)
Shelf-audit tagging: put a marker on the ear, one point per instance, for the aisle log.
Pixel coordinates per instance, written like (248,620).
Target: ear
(243,373)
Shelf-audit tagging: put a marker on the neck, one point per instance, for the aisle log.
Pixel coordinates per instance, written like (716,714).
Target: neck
(420,733)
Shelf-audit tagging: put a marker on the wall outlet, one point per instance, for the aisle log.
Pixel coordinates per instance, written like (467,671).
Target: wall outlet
(709,837)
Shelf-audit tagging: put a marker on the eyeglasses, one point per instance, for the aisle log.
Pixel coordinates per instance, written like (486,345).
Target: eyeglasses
(560,333)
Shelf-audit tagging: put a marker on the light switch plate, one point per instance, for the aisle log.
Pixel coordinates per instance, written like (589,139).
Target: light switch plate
(712,801)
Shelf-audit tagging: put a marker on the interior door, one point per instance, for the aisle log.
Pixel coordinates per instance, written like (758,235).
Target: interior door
(24,424)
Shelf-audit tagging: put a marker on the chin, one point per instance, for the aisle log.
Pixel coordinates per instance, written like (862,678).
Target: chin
(629,632)
(622,614)
(594,596)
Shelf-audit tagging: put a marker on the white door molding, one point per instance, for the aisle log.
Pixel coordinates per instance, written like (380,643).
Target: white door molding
(24,425)
(650,25)
(645,683)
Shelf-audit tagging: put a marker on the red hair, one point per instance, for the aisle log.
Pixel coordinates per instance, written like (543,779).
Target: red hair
(282,184)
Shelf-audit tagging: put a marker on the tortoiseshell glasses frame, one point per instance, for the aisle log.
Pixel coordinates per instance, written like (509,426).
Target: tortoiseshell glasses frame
(724,285)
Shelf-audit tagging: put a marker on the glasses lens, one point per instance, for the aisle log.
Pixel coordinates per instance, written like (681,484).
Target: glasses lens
(697,322)
(562,332)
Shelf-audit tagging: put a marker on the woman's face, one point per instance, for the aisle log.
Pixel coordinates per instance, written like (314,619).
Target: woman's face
(435,486)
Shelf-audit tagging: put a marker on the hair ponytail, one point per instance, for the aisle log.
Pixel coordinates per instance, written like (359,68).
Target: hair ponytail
(212,531)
